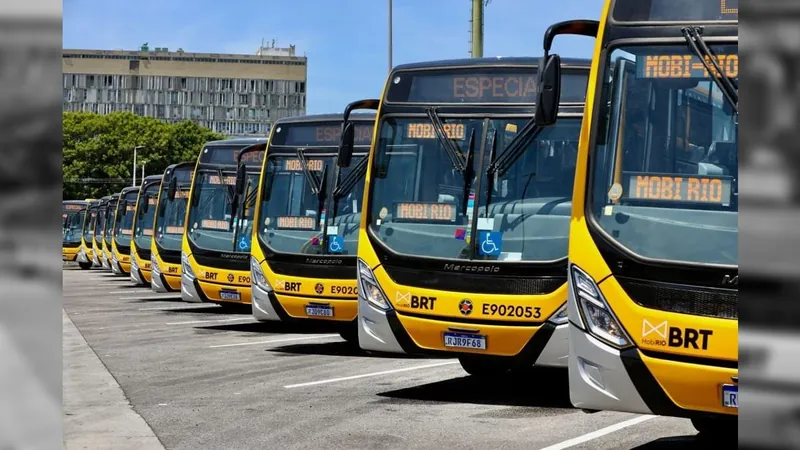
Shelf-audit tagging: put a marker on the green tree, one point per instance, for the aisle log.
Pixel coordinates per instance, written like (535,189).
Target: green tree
(100,147)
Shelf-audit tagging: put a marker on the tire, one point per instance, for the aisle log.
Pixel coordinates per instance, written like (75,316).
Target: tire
(715,427)
(485,367)
(85,266)
(350,334)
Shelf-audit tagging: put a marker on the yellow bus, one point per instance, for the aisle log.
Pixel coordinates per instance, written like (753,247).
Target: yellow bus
(142,227)
(97,236)
(653,253)
(304,254)
(215,254)
(86,252)
(168,226)
(122,231)
(72,215)
(108,228)
(463,241)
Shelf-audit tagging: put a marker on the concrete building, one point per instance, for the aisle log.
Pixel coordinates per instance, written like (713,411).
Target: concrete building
(239,95)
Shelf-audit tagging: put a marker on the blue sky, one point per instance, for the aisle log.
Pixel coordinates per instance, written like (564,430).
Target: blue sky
(345,40)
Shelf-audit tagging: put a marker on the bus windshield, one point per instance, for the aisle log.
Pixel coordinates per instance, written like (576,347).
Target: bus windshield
(123,227)
(171,214)
(665,164)
(72,223)
(212,226)
(99,222)
(89,224)
(143,225)
(291,216)
(109,220)
(427,200)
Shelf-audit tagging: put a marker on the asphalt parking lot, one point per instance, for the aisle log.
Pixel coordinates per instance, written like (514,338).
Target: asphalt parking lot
(204,377)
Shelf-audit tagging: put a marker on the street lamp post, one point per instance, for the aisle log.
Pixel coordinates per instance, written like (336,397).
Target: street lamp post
(134,162)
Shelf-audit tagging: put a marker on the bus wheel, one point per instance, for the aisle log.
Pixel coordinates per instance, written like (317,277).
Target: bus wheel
(85,266)
(714,427)
(484,367)
(350,334)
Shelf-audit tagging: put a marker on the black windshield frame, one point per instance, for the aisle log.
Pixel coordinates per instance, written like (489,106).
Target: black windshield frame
(655,37)
(478,112)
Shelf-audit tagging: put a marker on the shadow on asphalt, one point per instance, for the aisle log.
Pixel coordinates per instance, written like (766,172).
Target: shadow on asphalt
(534,387)
(690,442)
(340,348)
(271,328)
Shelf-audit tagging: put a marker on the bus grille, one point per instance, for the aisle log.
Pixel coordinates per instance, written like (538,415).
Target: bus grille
(475,284)
(693,300)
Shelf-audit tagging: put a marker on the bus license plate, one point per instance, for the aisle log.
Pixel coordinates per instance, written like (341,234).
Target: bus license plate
(229,295)
(458,340)
(730,396)
(319,311)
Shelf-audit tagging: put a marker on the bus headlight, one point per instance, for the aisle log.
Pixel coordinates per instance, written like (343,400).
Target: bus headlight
(114,256)
(154,264)
(560,316)
(187,268)
(134,263)
(596,314)
(258,275)
(369,289)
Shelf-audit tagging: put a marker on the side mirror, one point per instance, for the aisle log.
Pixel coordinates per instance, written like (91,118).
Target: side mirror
(172,189)
(549,90)
(241,177)
(346,146)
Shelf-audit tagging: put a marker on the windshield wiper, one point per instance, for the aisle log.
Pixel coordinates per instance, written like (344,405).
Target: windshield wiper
(469,172)
(453,152)
(515,148)
(722,80)
(315,184)
(349,182)
(490,176)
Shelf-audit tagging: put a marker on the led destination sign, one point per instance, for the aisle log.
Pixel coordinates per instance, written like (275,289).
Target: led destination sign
(481,85)
(297,223)
(684,189)
(425,131)
(425,212)
(293,165)
(318,135)
(675,10)
(683,66)
(229,156)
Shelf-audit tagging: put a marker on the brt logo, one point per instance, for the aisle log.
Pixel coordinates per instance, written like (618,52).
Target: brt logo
(663,335)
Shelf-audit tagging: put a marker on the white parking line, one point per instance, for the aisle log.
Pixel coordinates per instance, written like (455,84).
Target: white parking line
(318,336)
(135,290)
(153,297)
(178,308)
(373,374)
(209,321)
(599,433)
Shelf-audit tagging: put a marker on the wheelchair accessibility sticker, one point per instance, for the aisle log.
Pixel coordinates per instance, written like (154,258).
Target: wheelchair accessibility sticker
(490,243)
(335,244)
(244,244)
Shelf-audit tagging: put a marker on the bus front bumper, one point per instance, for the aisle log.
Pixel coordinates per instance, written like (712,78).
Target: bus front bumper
(268,308)
(189,290)
(165,283)
(604,378)
(383,331)
(82,257)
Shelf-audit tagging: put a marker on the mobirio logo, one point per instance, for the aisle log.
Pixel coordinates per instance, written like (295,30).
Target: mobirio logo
(663,335)
(475,269)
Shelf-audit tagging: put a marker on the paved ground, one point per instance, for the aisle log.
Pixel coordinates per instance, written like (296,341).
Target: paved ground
(205,378)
